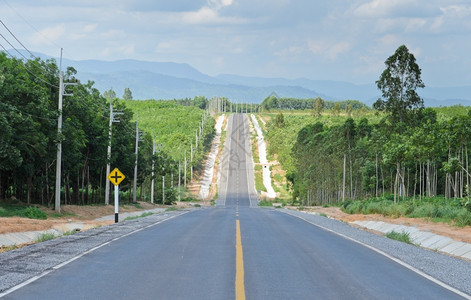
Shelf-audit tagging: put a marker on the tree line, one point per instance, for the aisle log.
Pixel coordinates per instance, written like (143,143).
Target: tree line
(318,104)
(28,140)
(409,153)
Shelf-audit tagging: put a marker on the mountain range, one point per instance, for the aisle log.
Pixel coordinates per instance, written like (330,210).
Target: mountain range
(169,80)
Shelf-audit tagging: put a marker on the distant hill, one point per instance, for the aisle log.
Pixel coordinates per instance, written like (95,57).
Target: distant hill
(168,80)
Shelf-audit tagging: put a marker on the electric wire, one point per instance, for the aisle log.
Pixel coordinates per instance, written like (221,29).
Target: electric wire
(17,39)
(28,70)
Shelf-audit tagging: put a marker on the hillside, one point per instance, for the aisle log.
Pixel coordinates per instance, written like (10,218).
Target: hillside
(169,80)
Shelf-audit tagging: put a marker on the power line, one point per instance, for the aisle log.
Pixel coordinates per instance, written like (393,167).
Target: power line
(13,47)
(14,36)
(16,39)
(28,70)
(26,21)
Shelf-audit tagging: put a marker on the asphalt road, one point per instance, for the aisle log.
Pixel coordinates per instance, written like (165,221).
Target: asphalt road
(236,250)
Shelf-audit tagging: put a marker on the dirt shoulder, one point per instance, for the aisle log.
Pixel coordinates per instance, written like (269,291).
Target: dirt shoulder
(453,232)
(71,213)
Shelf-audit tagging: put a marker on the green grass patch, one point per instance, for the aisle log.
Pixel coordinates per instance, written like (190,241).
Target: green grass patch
(323,215)
(30,212)
(171,208)
(63,214)
(146,214)
(8,248)
(189,199)
(259,178)
(264,203)
(45,237)
(399,236)
(437,209)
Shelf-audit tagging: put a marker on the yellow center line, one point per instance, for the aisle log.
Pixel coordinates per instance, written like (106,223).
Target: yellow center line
(239,282)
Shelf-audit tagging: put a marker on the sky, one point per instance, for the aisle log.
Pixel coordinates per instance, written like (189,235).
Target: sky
(346,40)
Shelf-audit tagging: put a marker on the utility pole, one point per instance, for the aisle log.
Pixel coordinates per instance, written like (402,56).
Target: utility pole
(108,156)
(191,160)
(62,92)
(152,182)
(134,195)
(184,177)
(163,189)
(113,114)
(179,179)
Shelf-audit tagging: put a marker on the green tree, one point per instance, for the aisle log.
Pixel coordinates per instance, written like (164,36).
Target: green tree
(127,94)
(336,109)
(319,105)
(398,84)
(110,94)
(280,120)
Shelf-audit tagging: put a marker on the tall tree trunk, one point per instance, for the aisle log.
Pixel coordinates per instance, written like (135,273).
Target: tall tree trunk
(344,175)
(376,172)
(29,184)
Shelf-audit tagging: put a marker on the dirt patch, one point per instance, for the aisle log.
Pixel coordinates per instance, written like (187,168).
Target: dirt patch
(453,232)
(70,213)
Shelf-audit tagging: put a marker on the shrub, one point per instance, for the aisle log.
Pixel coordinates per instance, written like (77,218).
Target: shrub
(399,236)
(45,237)
(34,213)
(463,218)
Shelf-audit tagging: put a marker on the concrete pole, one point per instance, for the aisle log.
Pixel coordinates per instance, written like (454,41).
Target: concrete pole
(184,177)
(134,189)
(152,182)
(57,203)
(179,180)
(108,157)
(163,189)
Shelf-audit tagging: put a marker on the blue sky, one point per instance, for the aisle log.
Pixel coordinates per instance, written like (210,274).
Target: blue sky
(345,40)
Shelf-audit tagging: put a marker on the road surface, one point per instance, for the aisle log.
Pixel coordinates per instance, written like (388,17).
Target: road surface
(239,251)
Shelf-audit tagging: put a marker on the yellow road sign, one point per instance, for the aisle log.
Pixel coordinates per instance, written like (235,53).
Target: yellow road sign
(116,176)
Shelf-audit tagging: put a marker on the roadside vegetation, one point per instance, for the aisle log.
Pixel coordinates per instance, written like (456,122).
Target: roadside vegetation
(405,159)
(143,215)
(437,209)
(16,210)
(28,142)
(399,236)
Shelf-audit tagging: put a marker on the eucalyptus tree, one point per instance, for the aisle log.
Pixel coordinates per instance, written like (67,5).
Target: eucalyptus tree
(127,94)
(398,84)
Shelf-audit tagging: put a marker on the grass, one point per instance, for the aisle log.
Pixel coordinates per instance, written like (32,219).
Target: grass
(70,232)
(323,215)
(437,209)
(62,214)
(399,236)
(45,237)
(171,208)
(146,214)
(258,172)
(8,248)
(265,203)
(30,212)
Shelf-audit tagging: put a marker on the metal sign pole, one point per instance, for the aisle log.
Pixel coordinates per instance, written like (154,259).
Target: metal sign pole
(116,203)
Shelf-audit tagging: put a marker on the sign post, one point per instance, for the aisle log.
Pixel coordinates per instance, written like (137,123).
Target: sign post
(116,177)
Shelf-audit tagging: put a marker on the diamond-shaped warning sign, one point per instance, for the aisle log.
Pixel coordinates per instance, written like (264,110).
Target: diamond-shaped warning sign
(116,176)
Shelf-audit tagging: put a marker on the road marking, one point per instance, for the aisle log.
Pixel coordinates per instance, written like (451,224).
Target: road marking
(404,264)
(33,279)
(239,283)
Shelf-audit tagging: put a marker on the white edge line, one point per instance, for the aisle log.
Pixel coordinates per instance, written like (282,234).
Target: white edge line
(56,267)
(404,264)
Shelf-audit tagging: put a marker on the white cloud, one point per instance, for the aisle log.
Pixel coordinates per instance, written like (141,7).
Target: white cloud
(396,9)
(52,33)
(329,50)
